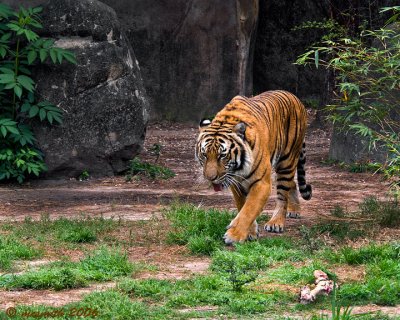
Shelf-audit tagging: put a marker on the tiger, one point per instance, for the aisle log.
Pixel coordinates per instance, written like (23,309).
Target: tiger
(239,148)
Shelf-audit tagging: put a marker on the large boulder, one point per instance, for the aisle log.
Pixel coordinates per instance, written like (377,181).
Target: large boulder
(102,97)
(194,55)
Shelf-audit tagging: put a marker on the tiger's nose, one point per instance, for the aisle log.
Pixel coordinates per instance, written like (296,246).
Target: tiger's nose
(211,174)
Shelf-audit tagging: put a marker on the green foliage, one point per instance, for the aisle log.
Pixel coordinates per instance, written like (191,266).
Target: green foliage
(138,168)
(104,264)
(85,175)
(12,249)
(367,71)
(200,229)
(21,48)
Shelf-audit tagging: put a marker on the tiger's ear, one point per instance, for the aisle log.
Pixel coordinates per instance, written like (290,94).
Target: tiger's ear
(240,129)
(204,123)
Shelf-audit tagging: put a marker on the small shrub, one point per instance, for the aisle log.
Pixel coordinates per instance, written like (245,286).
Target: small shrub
(236,268)
(138,168)
(85,175)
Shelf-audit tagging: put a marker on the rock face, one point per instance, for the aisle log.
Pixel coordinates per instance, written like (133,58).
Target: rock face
(194,55)
(103,98)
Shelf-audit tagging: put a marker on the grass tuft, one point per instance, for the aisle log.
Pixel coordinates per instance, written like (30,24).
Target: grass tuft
(12,249)
(200,229)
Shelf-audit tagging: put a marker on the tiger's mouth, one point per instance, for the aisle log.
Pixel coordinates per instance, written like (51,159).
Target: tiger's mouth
(218,187)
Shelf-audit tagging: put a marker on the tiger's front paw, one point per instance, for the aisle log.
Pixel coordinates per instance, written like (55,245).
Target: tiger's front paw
(236,234)
(275,225)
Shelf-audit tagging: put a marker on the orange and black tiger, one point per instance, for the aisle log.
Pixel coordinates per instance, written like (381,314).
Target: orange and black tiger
(241,146)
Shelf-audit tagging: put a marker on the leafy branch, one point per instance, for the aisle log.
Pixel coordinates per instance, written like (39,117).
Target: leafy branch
(21,48)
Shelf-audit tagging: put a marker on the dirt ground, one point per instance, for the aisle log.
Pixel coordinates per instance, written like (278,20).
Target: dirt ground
(140,200)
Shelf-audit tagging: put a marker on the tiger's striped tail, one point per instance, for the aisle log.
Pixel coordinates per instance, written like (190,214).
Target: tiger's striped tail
(304,188)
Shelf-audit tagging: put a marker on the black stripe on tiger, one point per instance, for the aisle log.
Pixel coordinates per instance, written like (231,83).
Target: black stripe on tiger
(304,188)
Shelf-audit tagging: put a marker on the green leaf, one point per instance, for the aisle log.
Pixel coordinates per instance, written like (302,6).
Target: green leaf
(18,91)
(3,131)
(7,70)
(48,43)
(5,11)
(7,78)
(33,111)
(57,118)
(30,35)
(10,86)
(316,58)
(25,107)
(42,114)
(3,52)
(42,55)
(13,27)
(53,56)
(32,55)
(26,82)
(70,57)
(59,57)
(36,24)
(50,117)
(37,10)
(13,129)
(5,37)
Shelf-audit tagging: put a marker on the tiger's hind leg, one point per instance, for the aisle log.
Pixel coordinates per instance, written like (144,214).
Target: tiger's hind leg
(285,183)
(293,210)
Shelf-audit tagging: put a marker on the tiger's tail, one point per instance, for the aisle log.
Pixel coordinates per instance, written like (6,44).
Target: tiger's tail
(305,189)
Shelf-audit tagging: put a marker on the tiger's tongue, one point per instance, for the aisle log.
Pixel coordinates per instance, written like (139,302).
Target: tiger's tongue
(217,187)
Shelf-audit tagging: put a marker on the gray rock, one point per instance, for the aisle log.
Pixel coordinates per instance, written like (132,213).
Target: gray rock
(103,97)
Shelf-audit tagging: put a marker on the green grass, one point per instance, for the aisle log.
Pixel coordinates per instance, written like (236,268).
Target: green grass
(12,249)
(201,229)
(103,265)
(80,230)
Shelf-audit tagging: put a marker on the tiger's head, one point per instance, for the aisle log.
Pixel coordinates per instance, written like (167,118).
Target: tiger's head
(223,153)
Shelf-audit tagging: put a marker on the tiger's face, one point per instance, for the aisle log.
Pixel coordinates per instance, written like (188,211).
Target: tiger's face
(223,154)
